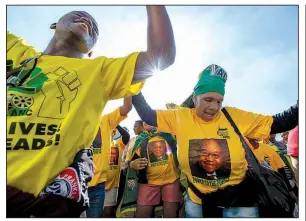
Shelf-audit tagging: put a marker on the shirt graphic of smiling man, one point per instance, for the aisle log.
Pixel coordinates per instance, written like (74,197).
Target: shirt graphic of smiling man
(209,159)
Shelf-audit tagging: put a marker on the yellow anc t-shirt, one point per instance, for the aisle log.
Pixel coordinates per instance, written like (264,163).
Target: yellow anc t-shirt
(102,154)
(161,166)
(210,153)
(264,153)
(55,112)
(113,173)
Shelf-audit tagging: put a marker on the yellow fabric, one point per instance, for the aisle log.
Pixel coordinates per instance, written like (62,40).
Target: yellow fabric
(101,156)
(113,173)
(273,147)
(18,49)
(47,127)
(267,154)
(198,143)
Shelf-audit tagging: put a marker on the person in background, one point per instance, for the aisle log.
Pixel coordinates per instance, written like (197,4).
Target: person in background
(293,151)
(57,88)
(159,182)
(285,137)
(102,154)
(138,129)
(120,139)
(265,154)
(282,147)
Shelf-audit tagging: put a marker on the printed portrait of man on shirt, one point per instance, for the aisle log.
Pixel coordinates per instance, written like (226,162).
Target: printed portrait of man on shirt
(114,156)
(157,151)
(209,159)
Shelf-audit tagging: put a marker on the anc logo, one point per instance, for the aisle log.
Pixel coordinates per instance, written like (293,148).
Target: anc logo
(18,105)
(32,86)
(223,132)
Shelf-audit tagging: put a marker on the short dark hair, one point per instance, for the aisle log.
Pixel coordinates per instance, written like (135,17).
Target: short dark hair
(139,122)
(86,14)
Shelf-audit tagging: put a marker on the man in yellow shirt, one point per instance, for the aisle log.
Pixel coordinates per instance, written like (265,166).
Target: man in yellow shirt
(265,153)
(102,153)
(270,155)
(203,123)
(55,94)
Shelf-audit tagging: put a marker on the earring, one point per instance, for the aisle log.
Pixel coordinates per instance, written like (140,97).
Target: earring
(53,26)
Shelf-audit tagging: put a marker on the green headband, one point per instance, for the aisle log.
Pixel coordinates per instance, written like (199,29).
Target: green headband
(212,79)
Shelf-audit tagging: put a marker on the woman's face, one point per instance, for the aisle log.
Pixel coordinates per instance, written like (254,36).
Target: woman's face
(207,105)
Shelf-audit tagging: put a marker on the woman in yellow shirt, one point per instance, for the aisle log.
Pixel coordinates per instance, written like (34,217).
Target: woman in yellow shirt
(158,174)
(209,151)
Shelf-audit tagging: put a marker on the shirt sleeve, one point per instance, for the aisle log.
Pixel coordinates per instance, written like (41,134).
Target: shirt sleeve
(167,121)
(114,118)
(121,144)
(117,76)
(18,50)
(251,125)
(278,162)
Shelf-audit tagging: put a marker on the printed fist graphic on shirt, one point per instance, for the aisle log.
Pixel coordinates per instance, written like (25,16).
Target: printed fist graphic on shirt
(59,94)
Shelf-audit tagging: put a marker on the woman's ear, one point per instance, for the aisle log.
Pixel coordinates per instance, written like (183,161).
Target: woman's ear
(90,54)
(53,26)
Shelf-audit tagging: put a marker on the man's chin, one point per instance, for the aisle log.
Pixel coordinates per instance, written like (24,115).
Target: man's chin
(81,42)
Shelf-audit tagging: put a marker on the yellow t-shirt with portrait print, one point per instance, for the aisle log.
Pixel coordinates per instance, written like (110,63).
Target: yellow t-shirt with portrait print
(161,168)
(102,154)
(55,113)
(264,153)
(210,153)
(113,173)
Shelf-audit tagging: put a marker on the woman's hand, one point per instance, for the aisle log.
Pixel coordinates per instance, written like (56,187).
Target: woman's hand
(139,164)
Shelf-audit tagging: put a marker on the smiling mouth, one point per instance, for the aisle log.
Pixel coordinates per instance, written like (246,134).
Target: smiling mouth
(209,115)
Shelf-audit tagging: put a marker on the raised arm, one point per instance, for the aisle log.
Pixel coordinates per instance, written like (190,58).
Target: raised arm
(161,49)
(124,134)
(126,107)
(145,112)
(286,120)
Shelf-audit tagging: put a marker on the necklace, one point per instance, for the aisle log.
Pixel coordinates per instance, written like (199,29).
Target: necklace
(18,76)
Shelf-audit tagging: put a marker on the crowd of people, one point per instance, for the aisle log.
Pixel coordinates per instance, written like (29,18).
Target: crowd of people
(66,160)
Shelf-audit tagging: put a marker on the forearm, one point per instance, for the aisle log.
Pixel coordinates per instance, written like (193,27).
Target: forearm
(161,50)
(124,134)
(160,35)
(146,113)
(127,106)
(286,120)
